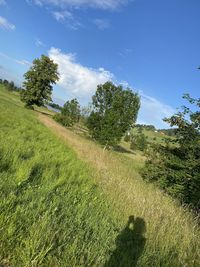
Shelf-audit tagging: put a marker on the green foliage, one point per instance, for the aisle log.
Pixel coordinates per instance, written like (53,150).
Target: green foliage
(55,106)
(10,86)
(114,112)
(127,137)
(71,109)
(63,119)
(145,127)
(175,167)
(139,142)
(53,213)
(38,81)
(70,113)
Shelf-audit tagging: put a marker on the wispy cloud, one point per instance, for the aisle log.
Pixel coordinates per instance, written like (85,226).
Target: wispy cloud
(62,15)
(101,4)
(39,43)
(153,111)
(125,52)
(67,18)
(21,62)
(76,79)
(4,24)
(102,24)
(2,2)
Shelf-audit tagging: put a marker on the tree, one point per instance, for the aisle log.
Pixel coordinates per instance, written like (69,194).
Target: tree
(70,113)
(38,81)
(114,112)
(175,167)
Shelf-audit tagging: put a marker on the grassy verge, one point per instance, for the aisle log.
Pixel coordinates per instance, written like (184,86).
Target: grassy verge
(52,212)
(57,210)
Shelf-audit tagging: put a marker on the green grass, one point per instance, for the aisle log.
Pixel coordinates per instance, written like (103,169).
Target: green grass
(52,212)
(58,210)
(152,136)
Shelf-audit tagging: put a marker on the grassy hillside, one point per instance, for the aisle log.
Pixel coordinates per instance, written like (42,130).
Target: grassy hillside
(52,212)
(89,208)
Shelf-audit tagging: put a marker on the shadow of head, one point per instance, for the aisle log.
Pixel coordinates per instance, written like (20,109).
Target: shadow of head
(130,244)
(138,224)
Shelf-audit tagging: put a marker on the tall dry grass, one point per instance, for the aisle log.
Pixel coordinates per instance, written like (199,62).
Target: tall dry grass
(172,231)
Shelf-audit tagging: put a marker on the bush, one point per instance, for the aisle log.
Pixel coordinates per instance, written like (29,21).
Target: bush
(127,138)
(70,113)
(63,119)
(139,142)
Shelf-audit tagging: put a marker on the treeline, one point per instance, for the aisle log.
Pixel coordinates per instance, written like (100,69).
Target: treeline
(145,127)
(10,85)
(55,106)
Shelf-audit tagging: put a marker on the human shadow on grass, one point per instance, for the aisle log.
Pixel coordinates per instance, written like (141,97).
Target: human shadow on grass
(130,244)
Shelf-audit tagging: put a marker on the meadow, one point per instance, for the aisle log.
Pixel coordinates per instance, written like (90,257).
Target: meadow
(67,202)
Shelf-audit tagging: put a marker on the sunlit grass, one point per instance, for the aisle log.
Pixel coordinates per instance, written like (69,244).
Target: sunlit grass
(64,207)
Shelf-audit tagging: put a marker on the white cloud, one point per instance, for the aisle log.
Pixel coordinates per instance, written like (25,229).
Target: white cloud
(4,24)
(102,4)
(153,111)
(75,78)
(2,2)
(102,24)
(21,62)
(62,15)
(67,19)
(39,43)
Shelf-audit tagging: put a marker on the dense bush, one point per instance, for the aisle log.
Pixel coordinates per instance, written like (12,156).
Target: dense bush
(63,119)
(70,113)
(127,138)
(139,142)
(175,167)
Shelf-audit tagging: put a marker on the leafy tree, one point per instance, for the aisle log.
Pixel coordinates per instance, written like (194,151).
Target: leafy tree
(139,142)
(38,81)
(72,109)
(175,167)
(114,112)
(70,113)
(5,82)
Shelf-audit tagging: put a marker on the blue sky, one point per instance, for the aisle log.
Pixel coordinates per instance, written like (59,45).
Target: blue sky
(150,45)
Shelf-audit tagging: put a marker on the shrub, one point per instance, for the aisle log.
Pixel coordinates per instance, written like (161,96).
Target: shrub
(127,138)
(63,119)
(139,142)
